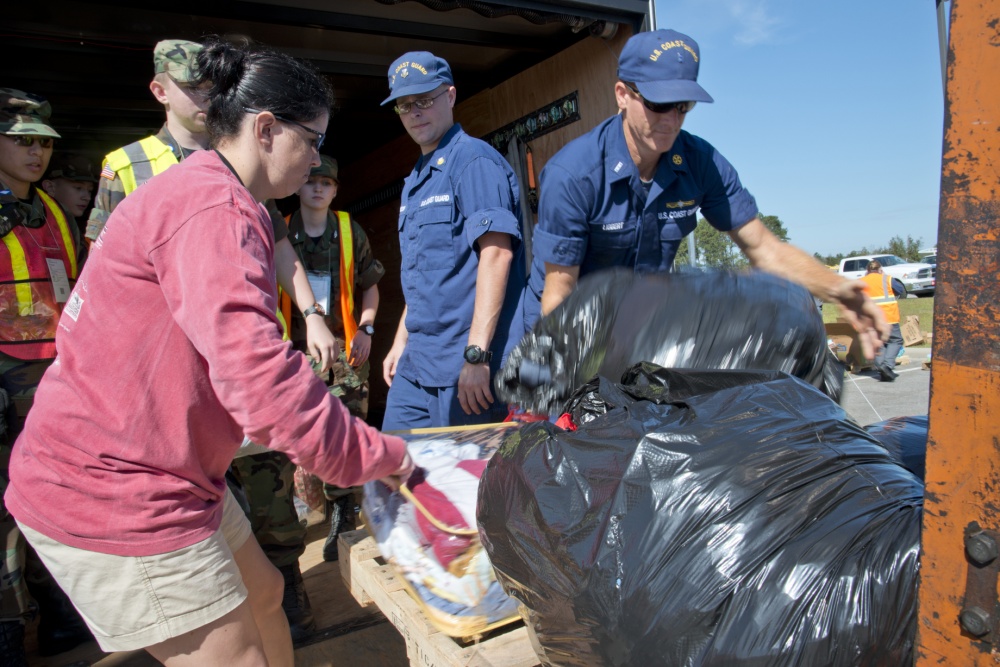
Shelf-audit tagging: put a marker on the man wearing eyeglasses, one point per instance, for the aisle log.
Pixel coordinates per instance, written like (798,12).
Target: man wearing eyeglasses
(626,193)
(276,525)
(38,265)
(462,266)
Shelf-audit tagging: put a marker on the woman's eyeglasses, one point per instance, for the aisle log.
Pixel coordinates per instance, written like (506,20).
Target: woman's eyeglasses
(27,142)
(661,107)
(422,103)
(320,136)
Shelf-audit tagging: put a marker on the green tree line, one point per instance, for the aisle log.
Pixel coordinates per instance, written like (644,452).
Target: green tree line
(715,249)
(908,249)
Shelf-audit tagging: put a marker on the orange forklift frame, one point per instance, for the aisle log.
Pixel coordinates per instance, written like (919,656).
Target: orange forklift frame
(959,615)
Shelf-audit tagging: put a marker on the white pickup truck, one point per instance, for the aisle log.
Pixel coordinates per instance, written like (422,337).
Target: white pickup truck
(918,278)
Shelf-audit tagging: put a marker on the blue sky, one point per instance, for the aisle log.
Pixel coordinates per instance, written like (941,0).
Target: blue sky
(832,112)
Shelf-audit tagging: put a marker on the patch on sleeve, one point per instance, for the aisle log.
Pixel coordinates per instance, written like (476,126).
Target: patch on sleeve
(108,173)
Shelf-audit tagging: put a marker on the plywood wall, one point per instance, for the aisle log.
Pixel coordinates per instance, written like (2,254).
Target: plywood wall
(589,68)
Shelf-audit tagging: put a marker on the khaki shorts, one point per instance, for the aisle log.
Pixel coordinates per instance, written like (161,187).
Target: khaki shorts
(134,602)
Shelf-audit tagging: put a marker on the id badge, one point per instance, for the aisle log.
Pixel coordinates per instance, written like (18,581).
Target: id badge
(60,281)
(320,284)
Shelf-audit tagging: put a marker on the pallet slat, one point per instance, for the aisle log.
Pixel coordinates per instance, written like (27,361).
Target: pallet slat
(372,582)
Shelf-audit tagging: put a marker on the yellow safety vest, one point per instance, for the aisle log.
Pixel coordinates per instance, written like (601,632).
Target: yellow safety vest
(880,290)
(31,334)
(140,161)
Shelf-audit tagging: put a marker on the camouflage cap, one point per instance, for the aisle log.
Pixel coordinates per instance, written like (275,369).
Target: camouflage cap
(72,167)
(22,113)
(176,57)
(327,167)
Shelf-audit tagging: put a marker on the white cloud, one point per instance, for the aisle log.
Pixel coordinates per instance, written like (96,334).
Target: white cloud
(755,22)
(748,22)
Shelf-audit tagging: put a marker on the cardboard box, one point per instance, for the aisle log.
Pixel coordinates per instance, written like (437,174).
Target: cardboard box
(846,345)
(912,335)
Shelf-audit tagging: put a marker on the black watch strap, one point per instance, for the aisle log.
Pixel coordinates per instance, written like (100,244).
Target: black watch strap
(477,355)
(368,329)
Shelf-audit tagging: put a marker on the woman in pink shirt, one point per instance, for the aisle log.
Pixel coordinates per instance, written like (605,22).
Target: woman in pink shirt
(169,354)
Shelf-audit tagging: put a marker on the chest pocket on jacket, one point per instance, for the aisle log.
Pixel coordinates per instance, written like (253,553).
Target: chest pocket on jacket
(434,243)
(610,244)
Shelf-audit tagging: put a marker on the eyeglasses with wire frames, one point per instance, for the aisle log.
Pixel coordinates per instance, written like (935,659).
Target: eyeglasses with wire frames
(422,103)
(27,142)
(661,107)
(320,136)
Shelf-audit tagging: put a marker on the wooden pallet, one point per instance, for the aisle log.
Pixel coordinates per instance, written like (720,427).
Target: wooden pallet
(371,581)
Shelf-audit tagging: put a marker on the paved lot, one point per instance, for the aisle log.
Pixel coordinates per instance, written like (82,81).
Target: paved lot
(868,401)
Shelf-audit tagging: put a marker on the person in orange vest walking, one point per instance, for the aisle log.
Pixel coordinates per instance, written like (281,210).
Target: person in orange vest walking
(880,288)
(344,275)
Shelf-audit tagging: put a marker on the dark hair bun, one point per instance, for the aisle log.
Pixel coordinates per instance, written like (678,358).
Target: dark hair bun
(223,64)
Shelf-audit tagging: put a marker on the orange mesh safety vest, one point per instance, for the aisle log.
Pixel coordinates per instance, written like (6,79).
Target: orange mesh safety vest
(29,312)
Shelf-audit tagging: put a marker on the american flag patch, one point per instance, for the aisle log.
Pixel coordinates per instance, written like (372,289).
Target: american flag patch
(108,173)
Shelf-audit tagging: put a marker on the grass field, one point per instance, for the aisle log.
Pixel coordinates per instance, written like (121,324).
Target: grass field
(922,308)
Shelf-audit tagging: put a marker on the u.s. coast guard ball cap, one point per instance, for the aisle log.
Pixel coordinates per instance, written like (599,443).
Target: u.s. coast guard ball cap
(415,73)
(663,65)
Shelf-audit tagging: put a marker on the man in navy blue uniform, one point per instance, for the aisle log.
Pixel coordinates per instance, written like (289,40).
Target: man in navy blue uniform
(626,193)
(463,263)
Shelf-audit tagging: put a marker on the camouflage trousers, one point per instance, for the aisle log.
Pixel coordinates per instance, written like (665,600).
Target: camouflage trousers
(18,380)
(266,481)
(350,385)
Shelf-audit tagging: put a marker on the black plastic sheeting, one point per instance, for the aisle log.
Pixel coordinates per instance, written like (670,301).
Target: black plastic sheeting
(750,525)
(906,440)
(717,320)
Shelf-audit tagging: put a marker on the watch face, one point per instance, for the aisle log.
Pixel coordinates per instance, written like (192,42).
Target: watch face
(368,329)
(473,354)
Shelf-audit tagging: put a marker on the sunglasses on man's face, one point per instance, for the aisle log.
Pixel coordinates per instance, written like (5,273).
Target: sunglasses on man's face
(27,142)
(662,107)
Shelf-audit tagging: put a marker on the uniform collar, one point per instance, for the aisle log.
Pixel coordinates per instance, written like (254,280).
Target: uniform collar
(297,232)
(36,213)
(166,138)
(676,158)
(619,164)
(440,156)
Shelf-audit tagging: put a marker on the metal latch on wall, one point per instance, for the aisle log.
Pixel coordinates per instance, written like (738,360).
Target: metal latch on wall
(980,615)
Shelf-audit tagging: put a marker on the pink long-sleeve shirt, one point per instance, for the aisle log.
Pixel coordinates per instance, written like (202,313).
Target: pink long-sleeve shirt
(169,352)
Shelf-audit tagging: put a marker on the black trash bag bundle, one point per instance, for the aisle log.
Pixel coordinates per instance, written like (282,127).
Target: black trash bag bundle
(906,440)
(748,526)
(717,319)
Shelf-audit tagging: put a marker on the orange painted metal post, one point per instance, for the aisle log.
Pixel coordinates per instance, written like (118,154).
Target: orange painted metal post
(958,609)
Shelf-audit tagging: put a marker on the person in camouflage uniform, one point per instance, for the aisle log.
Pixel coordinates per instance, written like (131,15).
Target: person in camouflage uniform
(29,223)
(316,233)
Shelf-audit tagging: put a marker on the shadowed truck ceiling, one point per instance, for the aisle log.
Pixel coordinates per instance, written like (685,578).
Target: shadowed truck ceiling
(93,60)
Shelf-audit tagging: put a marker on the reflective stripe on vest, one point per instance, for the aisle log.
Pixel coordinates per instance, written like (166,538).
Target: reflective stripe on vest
(27,343)
(140,161)
(347,279)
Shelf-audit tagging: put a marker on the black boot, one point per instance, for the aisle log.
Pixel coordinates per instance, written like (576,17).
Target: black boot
(60,627)
(12,644)
(295,602)
(342,519)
